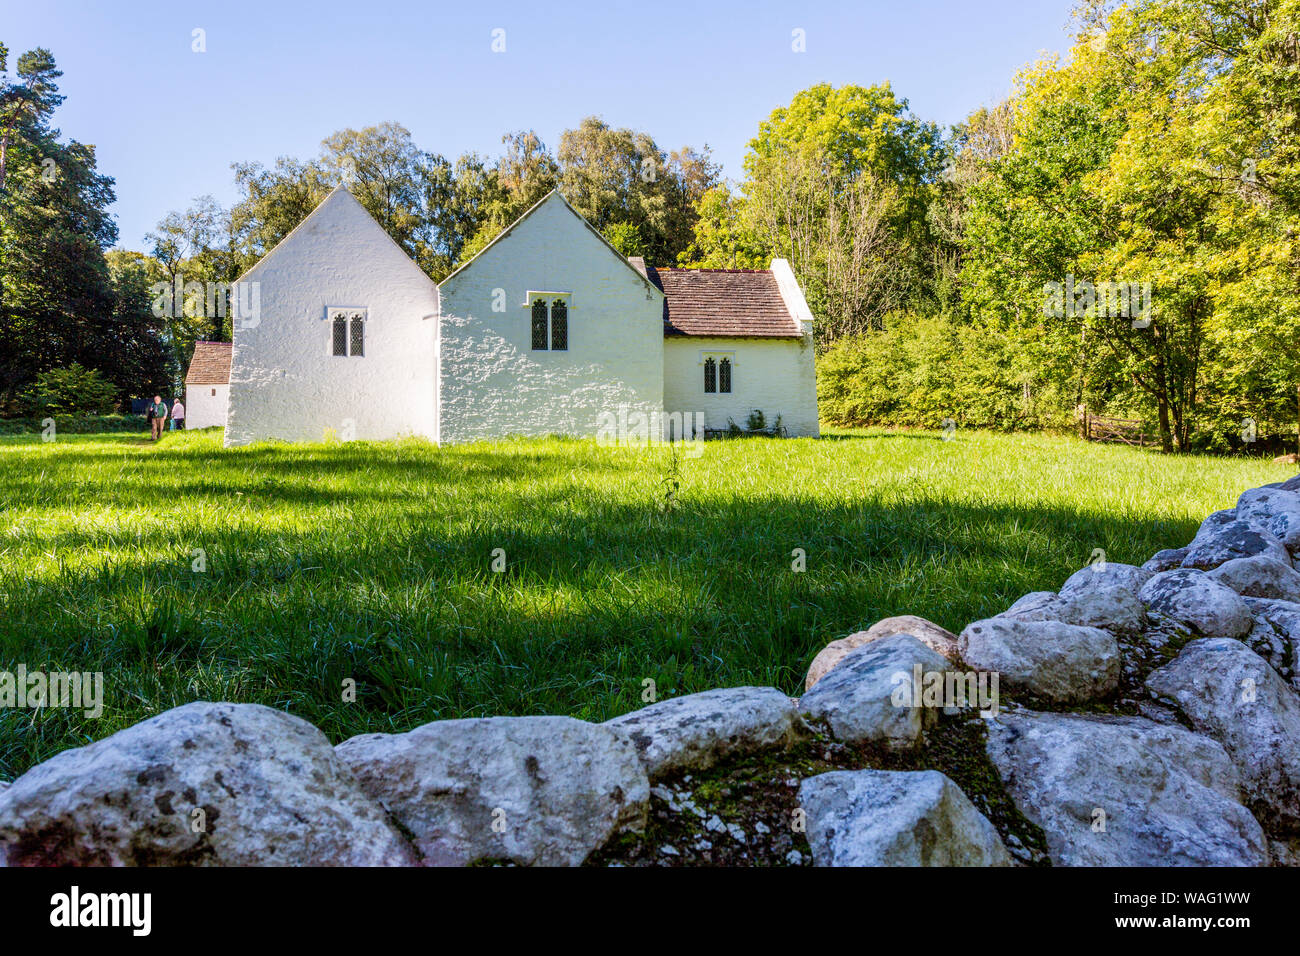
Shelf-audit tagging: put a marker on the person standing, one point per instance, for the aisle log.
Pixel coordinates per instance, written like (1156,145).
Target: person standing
(158,421)
(178,416)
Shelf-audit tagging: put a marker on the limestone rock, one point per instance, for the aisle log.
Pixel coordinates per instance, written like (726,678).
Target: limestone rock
(1261,576)
(1283,619)
(534,790)
(696,731)
(1057,661)
(1228,693)
(939,640)
(860,699)
(1107,574)
(1275,510)
(1194,599)
(1271,645)
(1285,852)
(262,788)
(1115,609)
(1166,560)
(1164,795)
(896,818)
(1220,541)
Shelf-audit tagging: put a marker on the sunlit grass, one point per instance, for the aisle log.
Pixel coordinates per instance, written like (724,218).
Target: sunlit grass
(373,562)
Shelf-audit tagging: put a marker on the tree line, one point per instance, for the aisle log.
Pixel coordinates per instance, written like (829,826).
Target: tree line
(440,211)
(66,302)
(1120,234)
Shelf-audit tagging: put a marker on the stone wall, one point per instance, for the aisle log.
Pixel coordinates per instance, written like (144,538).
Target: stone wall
(1140,716)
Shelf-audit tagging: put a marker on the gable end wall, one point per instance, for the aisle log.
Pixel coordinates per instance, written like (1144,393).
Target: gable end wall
(493,384)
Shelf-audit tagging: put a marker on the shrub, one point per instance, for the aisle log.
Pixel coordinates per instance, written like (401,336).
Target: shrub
(74,424)
(921,370)
(71,391)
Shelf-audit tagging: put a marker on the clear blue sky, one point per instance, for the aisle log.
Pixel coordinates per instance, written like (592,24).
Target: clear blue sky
(279,77)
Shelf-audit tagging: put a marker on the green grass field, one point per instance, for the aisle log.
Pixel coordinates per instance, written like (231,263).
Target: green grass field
(374,562)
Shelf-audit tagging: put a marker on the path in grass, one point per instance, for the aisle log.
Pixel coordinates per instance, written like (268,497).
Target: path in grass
(373,562)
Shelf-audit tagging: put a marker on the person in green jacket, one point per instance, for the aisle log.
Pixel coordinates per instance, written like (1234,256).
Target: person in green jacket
(157,417)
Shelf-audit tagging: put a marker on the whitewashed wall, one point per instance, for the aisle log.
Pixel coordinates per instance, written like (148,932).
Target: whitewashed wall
(205,405)
(776,376)
(284,381)
(492,383)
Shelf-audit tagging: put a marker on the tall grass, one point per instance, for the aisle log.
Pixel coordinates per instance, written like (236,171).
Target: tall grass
(373,563)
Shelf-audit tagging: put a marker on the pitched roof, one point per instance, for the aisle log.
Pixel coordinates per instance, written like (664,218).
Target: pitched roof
(333,204)
(737,303)
(210,364)
(553,196)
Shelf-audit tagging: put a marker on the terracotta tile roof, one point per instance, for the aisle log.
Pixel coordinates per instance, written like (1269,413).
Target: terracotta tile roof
(210,364)
(740,303)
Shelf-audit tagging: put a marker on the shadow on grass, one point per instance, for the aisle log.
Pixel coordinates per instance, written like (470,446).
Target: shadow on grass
(596,597)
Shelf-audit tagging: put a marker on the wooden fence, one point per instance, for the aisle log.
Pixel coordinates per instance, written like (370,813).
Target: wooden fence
(1127,431)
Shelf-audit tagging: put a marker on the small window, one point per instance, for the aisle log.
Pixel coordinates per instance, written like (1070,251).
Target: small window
(358,346)
(559,325)
(710,375)
(214,393)
(724,375)
(539,325)
(340,334)
(347,331)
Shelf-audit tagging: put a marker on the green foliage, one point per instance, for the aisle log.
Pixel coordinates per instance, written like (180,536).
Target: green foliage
(71,391)
(55,287)
(640,198)
(921,371)
(74,424)
(839,183)
(626,238)
(442,213)
(1139,161)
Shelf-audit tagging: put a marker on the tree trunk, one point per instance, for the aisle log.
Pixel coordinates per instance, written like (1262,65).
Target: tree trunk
(1162,406)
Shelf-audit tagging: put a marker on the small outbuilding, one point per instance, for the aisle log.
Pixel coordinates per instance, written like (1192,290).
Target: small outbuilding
(207,385)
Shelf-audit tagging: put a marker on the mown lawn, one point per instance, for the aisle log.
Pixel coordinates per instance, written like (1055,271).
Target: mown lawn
(374,562)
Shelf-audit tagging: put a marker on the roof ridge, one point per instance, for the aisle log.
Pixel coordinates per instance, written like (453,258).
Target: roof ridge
(701,269)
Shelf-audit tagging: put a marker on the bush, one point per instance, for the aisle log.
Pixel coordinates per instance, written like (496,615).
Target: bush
(71,391)
(74,424)
(921,370)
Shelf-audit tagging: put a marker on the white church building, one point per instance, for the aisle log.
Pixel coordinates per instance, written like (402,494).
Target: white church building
(548,330)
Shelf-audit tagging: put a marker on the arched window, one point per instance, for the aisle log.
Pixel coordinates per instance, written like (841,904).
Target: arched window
(539,325)
(710,375)
(724,375)
(340,334)
(559,325)
(358,334)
